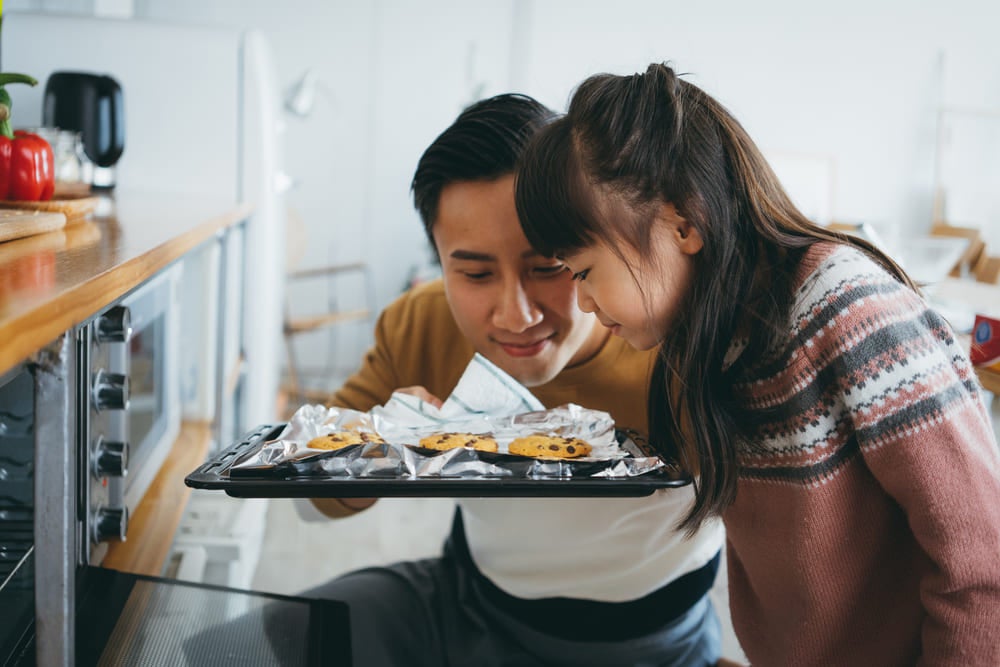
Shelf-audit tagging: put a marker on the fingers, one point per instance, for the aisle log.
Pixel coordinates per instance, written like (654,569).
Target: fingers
(422,394)
(357,504)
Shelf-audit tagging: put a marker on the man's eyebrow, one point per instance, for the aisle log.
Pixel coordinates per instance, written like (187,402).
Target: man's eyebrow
(472,256)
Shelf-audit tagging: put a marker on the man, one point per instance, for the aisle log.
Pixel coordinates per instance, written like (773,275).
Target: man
(523,581)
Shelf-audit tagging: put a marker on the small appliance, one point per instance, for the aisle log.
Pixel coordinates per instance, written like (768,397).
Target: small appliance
(93,105)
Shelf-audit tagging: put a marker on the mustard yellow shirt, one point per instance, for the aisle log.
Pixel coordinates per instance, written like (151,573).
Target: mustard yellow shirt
(605,549)
(418,343)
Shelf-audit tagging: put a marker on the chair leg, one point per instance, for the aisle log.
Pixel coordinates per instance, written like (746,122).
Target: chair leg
(293,373)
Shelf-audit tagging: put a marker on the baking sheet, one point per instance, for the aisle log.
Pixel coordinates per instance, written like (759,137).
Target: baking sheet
(289,483)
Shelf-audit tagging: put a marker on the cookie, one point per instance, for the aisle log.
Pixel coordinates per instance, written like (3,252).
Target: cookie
(443,441)
(341,439)
(549,446)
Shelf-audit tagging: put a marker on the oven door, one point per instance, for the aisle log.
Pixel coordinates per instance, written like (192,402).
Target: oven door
(153,416)
(129,619)
(129,405)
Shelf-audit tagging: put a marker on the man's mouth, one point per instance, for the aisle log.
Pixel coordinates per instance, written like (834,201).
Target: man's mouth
(527,348)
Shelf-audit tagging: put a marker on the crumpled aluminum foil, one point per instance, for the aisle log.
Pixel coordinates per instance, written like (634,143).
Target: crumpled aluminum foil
(402,457)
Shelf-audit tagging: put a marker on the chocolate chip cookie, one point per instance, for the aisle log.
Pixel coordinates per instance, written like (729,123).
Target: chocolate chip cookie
(549,446)
(444,441)
(341,439)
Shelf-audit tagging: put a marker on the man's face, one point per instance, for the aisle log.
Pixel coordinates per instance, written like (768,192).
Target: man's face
(516,307)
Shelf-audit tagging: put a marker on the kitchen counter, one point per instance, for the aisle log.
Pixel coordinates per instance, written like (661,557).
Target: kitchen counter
(50,286)
(53,281)
(970,297)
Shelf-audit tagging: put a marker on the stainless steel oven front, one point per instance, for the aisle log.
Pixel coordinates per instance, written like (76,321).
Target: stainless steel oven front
(129,406)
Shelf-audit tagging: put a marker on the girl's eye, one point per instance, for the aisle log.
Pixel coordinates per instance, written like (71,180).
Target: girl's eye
(471,275)
(581,275)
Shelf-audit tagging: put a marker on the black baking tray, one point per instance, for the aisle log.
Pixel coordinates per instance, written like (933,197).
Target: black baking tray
(214,474)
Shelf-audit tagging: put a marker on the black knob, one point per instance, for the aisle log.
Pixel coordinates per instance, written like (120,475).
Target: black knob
(110,458)
(114,325)
(110,523)
(110,391)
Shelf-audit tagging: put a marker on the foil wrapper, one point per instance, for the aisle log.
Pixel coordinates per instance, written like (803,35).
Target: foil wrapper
(486,400)
(613,454)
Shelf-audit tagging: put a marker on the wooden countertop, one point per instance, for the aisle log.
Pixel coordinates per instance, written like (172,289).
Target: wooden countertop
(54,281)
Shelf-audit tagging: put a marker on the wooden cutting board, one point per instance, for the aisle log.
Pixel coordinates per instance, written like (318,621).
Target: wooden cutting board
(16,223)
(74,207)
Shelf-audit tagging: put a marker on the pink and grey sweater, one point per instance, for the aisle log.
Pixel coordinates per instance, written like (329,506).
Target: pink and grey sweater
(866,526)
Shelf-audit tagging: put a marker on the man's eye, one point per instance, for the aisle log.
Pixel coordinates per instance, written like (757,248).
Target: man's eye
(581,275)
(473,275)
(550,270)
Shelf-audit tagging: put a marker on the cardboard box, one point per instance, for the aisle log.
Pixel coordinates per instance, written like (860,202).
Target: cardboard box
(988,270)
(972,254)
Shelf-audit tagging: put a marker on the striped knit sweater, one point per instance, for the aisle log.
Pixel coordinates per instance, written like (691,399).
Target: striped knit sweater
(866,526)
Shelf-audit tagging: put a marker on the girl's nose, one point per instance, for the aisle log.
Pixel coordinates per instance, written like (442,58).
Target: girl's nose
(515,310)
(584,301)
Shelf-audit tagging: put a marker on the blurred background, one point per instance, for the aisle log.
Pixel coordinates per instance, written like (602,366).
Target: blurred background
(884,112)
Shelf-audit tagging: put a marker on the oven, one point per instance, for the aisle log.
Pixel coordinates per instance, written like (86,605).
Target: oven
(17,504)
(128,406)
(84,427)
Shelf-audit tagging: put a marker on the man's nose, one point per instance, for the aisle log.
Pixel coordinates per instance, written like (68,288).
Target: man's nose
(516,310)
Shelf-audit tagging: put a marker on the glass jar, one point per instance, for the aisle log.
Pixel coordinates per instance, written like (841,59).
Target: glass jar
(67,149)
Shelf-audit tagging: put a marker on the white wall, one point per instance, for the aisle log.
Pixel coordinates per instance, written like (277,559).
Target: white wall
(855,84)
(843,96)
(848,92)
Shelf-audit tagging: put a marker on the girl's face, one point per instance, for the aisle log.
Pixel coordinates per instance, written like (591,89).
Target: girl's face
(638,300)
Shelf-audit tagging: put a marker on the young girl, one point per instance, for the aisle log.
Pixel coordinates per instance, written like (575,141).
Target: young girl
(829,416)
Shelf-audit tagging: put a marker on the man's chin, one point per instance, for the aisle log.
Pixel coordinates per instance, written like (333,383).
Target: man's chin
(529,372)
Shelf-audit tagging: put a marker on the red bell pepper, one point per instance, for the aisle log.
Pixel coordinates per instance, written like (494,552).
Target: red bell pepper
(27,165)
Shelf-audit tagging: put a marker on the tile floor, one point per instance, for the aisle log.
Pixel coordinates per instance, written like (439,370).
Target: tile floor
(297,555)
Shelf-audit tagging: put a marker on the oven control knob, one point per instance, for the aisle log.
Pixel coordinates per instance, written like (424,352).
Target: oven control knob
(114,325)
(110,391)
(110,523)
(111,458)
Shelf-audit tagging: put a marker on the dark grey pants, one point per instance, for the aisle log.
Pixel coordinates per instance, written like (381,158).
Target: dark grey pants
(434,613)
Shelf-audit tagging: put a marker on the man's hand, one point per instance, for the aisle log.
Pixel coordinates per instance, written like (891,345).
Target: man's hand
(337,508)
(357,503)
(422,394)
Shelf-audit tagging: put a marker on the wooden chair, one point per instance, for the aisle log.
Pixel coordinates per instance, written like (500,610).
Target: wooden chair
(318,316)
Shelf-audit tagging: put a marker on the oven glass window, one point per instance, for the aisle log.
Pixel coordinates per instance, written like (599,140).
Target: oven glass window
(146,388)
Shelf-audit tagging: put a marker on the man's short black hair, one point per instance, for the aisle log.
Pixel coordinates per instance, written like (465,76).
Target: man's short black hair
(483,144)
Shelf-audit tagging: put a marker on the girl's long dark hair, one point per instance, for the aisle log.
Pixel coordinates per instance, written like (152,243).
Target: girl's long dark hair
(628,145)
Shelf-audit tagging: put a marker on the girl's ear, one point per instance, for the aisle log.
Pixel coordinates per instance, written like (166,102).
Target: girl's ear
(687,238)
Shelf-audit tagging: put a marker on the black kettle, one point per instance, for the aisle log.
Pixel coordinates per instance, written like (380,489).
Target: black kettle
(93,105)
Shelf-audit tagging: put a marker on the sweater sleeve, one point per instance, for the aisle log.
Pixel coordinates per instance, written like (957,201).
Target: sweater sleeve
(374,382)
(912,400)
(416,342)
(371,385)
